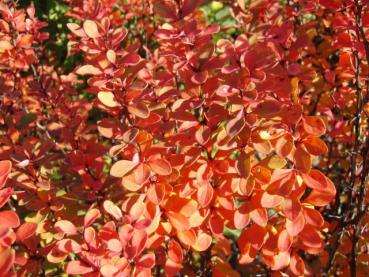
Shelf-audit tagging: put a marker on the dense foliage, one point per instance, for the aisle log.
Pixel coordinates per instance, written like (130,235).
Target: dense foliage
(184,138)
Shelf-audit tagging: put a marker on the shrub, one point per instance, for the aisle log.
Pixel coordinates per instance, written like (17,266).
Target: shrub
(184,137)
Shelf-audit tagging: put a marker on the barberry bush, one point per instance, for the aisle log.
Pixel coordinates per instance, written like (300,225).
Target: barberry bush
(184,138)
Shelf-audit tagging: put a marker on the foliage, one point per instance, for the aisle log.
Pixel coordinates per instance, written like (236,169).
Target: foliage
(184,137)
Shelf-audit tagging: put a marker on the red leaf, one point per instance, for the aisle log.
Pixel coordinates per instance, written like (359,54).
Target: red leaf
(254,235)
(295,227)
(90,217)
(284,241)
(189,6)
(297,265)
(216,224)
(68,246)
(7,258)
(138,242)
(9,219)
(166,9)
(5,195)
(175,252)
(291,208)
(5,168)
(77,267)
(26,230)
(146,261)
(172,268)
(203,134)
(205,194)
(235,125)
(65,227)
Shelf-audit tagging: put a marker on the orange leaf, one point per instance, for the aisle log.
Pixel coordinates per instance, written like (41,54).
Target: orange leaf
(310,237)
(107,98)
(284,145)
(5,45)
(278,261)
(203,242)
(111,56)
(315,146)
(295,227)
(270,200)
(156,193)
(160,166)
(255,235)
(302,159)
(262,174)
(90,28)
(314,125)
(297,265)
(268,108)
(179,221)
(241,216)
(112,209)
(291,208)
(313,217)
(187,237)
(122,168)
(259,216)
(108,270)
(139,109)
(243,165)
(88,70)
